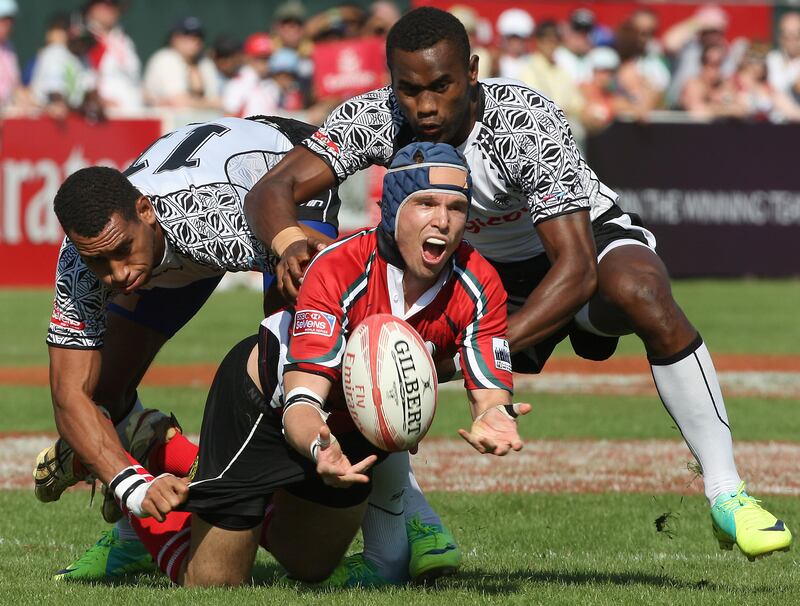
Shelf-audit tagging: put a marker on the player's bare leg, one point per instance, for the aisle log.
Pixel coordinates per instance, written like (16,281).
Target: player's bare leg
(308,539)
(634,294)
(219,557)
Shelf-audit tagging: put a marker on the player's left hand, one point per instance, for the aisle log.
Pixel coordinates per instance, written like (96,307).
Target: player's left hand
(495,430)
(334,467)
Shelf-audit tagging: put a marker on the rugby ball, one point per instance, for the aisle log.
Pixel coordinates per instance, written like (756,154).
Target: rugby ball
(389,382)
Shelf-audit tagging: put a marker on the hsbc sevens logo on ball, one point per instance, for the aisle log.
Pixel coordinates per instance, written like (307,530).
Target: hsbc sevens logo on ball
(389,382)
(311,322)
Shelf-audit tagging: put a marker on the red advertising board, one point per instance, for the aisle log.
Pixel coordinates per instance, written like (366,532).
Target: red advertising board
(36,155)
(349,67)
(751,20)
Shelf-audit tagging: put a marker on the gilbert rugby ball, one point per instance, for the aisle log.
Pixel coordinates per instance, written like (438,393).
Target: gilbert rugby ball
(389,382)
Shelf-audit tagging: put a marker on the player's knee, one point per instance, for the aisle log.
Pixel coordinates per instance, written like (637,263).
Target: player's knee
(638,290)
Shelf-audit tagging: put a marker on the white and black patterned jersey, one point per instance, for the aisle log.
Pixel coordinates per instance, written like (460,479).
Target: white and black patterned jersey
(525,165)
(196,178)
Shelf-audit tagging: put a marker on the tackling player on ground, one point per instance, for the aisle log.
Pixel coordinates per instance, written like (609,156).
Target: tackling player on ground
(573,262)
(143,252)
(287,381)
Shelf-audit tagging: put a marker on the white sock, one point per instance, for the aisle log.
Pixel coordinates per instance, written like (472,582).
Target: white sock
(417,504)
(120,427)
(384,525)
(689,389)
(126,531)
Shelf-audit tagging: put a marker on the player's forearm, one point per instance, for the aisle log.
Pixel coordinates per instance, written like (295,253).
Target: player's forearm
(301,425)
(553,303)
(270,208)
(73,377)
(90,434)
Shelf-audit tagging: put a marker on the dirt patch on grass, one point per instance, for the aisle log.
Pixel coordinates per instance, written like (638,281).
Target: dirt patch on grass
(577,466)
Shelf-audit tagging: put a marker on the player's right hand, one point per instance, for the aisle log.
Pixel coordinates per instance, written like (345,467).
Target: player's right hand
(335,468)
(293,263)
(163,495)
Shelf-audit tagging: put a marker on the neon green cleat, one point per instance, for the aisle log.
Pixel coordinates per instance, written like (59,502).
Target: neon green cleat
(109,557)
(737,518)
(434,552)
(355,571)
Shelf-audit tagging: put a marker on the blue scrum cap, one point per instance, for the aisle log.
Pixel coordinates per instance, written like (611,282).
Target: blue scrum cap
(418,167)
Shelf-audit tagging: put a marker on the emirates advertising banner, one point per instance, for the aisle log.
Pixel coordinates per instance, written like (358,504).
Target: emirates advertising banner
(36,155)
(347,68)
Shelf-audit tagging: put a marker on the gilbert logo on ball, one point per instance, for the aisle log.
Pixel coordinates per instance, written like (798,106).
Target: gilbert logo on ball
(389,382)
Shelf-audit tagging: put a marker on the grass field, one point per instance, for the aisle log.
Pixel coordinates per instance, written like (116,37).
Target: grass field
(520,548)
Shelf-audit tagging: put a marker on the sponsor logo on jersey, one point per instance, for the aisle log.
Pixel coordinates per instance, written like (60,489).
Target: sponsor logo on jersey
(311,322)
(474,226)
(59,319)
(326,141)
(502,354)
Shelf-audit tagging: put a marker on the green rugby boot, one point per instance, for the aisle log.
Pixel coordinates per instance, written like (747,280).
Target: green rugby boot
(434,551)
(355,571)
(108,558)
(737,518)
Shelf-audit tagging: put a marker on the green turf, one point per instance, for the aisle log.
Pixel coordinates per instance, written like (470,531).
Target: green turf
(519,549)
(734,316)
(553,417)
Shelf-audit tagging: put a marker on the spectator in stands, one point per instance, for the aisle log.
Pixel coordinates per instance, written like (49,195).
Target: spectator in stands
(710,95)
(226,53)
(179,75)
(573,54)
(469,19)
(643,73)
(752,87)
(114,58)
(383,14)
(784,62)
(686,41)
(252,91)
(62,80)
(345,21)
(288,31)
(543,73)
(601,95)
(284,66)
(515,27)
(10,89)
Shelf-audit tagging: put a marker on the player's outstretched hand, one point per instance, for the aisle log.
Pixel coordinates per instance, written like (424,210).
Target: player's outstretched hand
(293,263)
(495,430)
(164,494)
(334,466)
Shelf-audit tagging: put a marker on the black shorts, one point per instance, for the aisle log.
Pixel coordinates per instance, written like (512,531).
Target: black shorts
(244,457)
(521,277)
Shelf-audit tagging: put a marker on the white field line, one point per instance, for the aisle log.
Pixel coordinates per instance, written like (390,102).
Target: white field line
(749,383)
(652,466)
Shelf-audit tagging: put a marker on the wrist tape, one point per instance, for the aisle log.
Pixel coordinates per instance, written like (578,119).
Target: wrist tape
(287,237)
(130,487)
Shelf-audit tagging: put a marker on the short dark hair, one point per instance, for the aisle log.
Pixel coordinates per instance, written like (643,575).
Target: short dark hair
(86,200)
(425,27)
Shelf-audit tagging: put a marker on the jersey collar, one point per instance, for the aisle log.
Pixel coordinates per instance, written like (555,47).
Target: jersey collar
(394,283)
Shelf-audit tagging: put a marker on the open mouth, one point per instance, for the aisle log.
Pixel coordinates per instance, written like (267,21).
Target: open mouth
(433,250)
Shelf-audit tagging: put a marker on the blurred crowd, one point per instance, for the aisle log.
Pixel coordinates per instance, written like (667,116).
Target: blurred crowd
(595,72)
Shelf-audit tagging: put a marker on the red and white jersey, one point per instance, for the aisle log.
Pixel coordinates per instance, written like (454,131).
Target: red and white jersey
(465,311)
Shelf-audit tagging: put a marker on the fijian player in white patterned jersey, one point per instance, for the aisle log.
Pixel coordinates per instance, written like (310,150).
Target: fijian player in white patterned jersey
(143,252)
(573,262)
